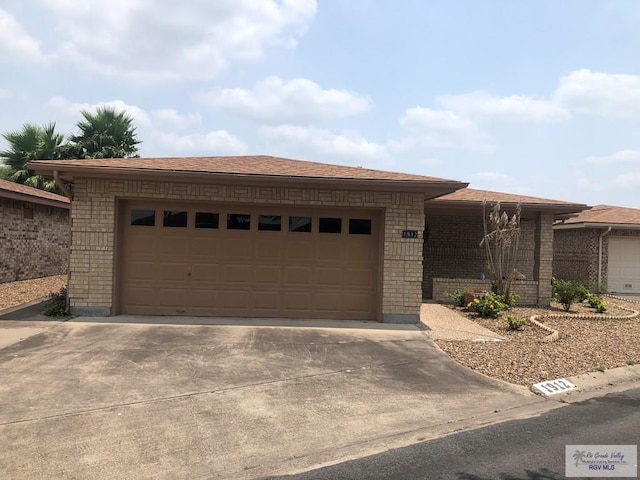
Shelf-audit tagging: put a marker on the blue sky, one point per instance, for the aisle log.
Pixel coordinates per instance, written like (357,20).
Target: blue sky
(534,97)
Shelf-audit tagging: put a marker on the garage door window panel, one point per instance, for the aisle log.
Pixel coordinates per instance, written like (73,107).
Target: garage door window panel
(359,226)
(271,223)
(143,218)
(330,225)
(207,220)
(238,221)
(300,224)
(172,218)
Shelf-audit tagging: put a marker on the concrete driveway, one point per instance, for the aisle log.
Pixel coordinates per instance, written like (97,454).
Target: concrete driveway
(120,400)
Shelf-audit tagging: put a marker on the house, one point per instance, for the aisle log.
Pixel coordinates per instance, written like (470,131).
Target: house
(34,233)
(251,236)
(600,245)
(454,260)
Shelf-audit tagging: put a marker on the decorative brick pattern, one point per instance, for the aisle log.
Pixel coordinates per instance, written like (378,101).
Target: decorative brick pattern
(575,253)
(34,240)
(94,223)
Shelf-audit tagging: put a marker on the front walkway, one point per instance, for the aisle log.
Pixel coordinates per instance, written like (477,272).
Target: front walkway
(445,323)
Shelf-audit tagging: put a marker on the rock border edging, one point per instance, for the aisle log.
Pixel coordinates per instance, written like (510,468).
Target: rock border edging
(554,335)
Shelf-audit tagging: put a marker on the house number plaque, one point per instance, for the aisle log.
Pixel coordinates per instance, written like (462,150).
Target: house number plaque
(410,234)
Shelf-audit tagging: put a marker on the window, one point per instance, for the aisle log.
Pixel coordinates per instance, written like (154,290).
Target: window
(174,219)
(207,220)
(146,218)
(299,224)
(238,221)
(359,226)
(270,222)
(330,225)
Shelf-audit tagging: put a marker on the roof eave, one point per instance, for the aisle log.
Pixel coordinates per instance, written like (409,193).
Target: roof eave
(434,188)
(23,197)
(596,225)
(556,209)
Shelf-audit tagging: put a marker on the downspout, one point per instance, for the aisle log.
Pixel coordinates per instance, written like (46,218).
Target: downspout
(602,235)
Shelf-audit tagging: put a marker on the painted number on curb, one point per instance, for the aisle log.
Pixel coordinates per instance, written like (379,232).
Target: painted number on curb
(552,387)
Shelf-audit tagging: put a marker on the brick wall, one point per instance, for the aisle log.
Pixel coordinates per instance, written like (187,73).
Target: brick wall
(575,254)
(32,247)
(452,249)
(527,290)
(94,222)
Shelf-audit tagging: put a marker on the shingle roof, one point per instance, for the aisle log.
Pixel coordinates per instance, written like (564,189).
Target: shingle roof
(606,215)
(259,165)
(473,195)
(30,194)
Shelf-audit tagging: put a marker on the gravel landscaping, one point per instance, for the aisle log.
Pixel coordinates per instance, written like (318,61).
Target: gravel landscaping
(583,345)
(16,293)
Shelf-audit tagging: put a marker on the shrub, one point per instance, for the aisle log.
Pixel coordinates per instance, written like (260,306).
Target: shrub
(566,292)
(57,304)
(597,288)
(514,323)
(489,304)
(597,302)
(457,297)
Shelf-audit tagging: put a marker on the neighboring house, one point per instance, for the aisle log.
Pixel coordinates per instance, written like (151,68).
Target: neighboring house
(252,236)
(454,260)
(34,233)
(601,245)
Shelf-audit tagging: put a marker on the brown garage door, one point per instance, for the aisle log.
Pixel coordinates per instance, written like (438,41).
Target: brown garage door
(221,260)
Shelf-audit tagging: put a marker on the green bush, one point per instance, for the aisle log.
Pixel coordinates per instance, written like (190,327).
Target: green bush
(597,302)
(514,323)
(488,304)
(597,288)
(457,297)
(57,304)
(567,292)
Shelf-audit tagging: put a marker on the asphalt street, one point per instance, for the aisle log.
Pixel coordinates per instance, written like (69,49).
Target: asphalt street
(530,449)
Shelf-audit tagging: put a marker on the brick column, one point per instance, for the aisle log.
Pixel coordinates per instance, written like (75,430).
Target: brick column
(543,257)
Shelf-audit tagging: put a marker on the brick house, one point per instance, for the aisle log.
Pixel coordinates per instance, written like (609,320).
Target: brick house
(600,245)
(34,233)
(454,260)
(252,236)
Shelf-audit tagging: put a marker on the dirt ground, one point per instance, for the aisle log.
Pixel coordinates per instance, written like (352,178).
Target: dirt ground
(17,293)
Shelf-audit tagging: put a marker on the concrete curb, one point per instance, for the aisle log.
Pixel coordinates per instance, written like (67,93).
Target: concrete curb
(591,385)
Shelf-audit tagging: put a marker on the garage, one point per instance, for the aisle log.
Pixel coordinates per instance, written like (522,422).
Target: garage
(203,259)
(244,236)
(624,265)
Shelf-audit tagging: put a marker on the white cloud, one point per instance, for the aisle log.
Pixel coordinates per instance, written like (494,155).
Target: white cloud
(348,146)
(627,179)
(15,43)
(606,94)
(217,142)
(171,118)
(510,108)
(168,41)
(274,100)
(623,156)
(69,108)
(441,128)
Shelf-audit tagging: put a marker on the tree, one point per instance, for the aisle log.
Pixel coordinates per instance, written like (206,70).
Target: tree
(32,143)
(501,241)
(105,134)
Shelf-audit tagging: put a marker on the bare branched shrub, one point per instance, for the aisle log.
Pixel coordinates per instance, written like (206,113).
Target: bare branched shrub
(501,241)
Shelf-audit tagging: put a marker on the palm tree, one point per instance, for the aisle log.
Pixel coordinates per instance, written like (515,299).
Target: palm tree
(105,134)
(32,143)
